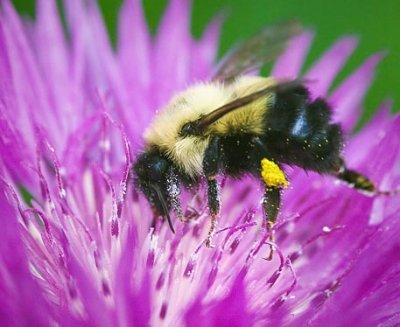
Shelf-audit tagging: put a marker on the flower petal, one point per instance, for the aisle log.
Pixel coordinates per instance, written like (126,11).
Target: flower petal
(22,301)
(90,251)
(134,46)
(133,305)
(369,294)
(173,50)
(348,97)
(228,311)
(328,66)
(291,61)
(205,51)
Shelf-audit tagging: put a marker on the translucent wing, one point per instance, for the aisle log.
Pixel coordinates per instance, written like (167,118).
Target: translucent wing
(264,47)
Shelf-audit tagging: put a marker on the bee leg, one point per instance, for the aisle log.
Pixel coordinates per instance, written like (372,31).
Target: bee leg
(213,204)
(274,179)
(360,182)
(355,179)
(211,161)
(173,193)
(271,205)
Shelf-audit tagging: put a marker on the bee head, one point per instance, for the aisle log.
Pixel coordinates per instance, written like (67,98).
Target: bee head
(151,171)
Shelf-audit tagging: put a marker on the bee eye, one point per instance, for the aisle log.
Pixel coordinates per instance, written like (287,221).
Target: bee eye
(188,129)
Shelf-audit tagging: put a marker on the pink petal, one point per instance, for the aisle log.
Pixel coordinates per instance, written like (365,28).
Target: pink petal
(328,66)
(172,58)
(71,110)
(28,306)
(348,97)
(205,51)
(368,293)
(291,61)
(133,307)
(134,44)
(53,59)
(228,311)
(97,312)
(356,150)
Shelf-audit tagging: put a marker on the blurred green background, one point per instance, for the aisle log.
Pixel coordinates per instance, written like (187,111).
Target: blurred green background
(375,22)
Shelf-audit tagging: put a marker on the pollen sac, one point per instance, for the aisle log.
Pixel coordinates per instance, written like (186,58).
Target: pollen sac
(272,175)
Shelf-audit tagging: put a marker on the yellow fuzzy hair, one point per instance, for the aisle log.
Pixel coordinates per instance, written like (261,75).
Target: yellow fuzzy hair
(249,118)
(188,152)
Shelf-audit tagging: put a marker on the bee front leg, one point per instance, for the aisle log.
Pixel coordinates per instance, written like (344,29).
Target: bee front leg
(173,193)
(271,205)
(211,162)
(275,180)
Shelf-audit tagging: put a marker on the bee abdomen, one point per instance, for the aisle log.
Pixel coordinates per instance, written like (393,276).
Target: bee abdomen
(300,132)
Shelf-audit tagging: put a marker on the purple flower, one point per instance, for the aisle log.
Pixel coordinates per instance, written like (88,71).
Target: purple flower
(76,248)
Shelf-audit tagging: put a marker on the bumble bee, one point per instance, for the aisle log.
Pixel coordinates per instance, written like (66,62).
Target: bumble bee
(237,124)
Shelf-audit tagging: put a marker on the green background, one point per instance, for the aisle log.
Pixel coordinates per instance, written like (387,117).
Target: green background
(377,23)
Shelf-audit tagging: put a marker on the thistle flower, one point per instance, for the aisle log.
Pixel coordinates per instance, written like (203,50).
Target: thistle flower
(76,248)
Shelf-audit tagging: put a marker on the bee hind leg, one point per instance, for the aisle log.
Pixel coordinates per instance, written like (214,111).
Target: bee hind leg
(355,179)
(360,182)
(271,205)
(274,179)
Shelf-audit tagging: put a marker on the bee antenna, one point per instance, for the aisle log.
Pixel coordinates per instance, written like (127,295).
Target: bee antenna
(164,206)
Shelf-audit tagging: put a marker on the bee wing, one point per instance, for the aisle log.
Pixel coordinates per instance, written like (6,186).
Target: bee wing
(200,125)
(264,47)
